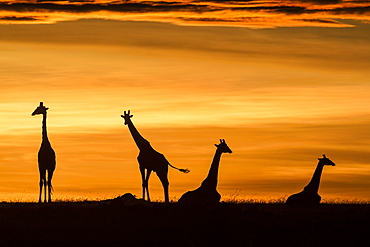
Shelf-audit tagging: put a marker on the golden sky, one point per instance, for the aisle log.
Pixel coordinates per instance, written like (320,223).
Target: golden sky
(283,82)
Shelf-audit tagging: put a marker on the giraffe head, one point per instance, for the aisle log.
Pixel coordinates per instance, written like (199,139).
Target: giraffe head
(41,109)
(223,147)
(127,116)
(325,161)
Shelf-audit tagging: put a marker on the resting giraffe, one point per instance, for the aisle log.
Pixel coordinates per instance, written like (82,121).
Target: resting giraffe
(149,160)
(207,192)
(309,196)
(46,156)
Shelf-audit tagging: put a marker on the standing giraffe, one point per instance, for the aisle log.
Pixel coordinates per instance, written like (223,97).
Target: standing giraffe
(207,192)
(46,156)
(309,196)
(149,160)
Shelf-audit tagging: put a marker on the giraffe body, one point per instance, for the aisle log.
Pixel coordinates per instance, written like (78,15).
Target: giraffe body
(309,196)
(149,160)
(46,158)
(207,193)
(304,198)
(200,196)
(153,160)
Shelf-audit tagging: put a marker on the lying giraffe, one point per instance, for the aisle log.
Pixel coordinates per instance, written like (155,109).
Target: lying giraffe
(207,192)
(309,196)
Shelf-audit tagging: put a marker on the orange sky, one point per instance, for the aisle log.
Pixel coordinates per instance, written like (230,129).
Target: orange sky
(281,95)
(246,13)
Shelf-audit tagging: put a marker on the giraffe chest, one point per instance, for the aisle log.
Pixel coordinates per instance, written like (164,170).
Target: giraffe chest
(46,153)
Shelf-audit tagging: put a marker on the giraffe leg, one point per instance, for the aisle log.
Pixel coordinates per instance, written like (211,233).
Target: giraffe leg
(148,172)
(164,180)
(50,187)
(142,172)
(41,183)
(45,190)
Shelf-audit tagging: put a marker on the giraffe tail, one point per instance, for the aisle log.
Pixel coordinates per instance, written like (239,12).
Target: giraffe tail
(181,170)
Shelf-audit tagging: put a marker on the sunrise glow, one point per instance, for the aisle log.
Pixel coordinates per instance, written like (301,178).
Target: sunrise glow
(283,82)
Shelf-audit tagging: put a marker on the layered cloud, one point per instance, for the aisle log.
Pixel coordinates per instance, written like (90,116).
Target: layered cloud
(246,13)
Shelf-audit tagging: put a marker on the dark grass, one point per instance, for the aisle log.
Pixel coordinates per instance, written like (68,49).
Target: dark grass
(118,223)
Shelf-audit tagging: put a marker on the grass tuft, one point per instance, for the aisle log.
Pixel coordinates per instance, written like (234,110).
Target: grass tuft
(345,201)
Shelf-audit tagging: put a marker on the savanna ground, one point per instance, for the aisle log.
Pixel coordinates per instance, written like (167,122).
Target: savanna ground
(121,222)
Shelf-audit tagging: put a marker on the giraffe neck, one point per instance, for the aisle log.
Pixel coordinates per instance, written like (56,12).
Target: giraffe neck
(212,178)
(44,131)
(141,143)
(314,184)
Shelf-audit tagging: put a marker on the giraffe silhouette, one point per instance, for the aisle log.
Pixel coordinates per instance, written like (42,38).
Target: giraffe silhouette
(309,196)
(207,193)
(46,157)
(149,160)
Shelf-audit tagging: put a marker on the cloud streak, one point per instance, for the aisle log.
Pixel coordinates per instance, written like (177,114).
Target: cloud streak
(254,14)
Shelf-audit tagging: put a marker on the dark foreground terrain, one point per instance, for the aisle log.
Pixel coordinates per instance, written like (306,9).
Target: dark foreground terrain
(121,223)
